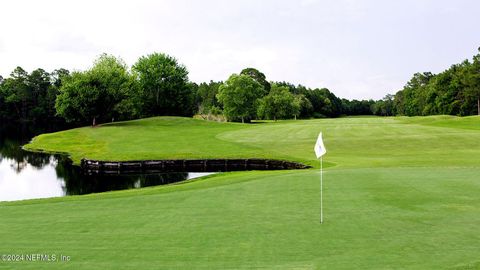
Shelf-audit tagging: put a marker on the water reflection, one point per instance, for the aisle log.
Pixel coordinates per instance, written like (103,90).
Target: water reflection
(25,175)
(21,180)
(77,183)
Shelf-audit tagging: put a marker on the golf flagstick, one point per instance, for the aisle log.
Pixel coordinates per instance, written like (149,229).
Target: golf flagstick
(321,189)
(319,152)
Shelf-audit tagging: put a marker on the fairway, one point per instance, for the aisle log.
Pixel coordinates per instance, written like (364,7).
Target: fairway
(400,193)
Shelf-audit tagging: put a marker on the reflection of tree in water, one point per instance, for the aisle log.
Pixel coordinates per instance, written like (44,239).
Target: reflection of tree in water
(77,183)
(10,148)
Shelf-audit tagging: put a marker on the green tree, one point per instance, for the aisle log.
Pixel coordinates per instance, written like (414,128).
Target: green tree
(3,105)
(28,97)
(42,95)
(258,77)
(383,107)
(324,103)
(413,97)
(16,93)
(239,95)
(58,75)
(306,107)
(455,91)
(278,104)
(130,107)
(206,97)
(301,93)
(92,95)
(164,85)
(472,79)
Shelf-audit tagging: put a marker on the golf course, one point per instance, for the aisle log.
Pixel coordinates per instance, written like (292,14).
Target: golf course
(399,193)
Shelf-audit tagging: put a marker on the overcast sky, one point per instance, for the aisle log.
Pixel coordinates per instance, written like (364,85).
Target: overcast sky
(358,49)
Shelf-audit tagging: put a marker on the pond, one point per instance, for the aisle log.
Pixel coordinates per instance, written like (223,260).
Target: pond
(25,175)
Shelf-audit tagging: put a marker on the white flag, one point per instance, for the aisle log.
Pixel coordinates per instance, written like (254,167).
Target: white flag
(319,147)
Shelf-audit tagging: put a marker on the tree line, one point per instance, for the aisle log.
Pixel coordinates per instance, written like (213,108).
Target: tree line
(30,96)
(157,84)
(455,91)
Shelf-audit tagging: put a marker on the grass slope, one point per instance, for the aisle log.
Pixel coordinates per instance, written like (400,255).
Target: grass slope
(403,194)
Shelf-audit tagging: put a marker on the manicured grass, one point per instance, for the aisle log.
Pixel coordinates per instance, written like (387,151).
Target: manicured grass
(400,193)
(152,138)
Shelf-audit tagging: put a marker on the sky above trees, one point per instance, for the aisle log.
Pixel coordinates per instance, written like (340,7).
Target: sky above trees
(358,49)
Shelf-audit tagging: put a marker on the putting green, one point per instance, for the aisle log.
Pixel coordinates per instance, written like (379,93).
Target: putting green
(400,193)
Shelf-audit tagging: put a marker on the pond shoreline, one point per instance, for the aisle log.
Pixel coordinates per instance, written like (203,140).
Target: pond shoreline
(198,165)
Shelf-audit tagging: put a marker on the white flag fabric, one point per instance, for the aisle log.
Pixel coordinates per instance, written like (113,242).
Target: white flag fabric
(319,147)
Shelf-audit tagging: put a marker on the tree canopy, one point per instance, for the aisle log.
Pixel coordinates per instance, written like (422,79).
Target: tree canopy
(157,84)
(455,91)
(206,98)
(239,95)
(164,86)
(278,104)
(28,97)
(92,95)
(258,77)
